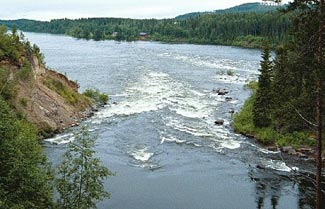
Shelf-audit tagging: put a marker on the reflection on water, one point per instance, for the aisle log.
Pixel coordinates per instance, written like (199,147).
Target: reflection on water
(266,188)
(306,191)
(261,194)
(270,186)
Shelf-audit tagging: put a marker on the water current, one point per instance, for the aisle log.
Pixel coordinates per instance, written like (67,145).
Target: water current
(158,132)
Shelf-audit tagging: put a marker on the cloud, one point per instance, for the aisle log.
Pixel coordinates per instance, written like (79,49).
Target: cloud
(53,9)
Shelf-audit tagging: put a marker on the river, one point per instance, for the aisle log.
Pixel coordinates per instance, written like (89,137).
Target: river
(158,134)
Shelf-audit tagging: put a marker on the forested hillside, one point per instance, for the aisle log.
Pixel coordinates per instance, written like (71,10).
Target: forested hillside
(246,29)
(243,8)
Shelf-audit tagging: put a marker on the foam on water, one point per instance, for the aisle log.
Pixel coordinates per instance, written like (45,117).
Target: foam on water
(230,144)
(142,158)
(157,90)
(190,111)
(164,139)
(260,149)
(221,65)
(141,154)
(181,126)
(61,139)
(142,96)
(128,108)
(278,165)
(198,61)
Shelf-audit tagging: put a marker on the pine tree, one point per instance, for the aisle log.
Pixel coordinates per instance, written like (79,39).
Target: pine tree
(81,175)
(262,104)
(287,92)
(309,40)
(280,91)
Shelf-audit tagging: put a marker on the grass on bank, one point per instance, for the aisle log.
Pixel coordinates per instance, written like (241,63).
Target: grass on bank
(243,123)
(68,94)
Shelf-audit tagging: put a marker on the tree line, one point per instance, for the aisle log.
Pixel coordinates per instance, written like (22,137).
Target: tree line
(242,29)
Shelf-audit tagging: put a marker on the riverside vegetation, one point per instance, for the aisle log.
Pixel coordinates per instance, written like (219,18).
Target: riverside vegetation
(281,110)
(287,105)
(282,107)
(26,178)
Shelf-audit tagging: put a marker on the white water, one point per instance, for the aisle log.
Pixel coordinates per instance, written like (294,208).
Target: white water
(158,133)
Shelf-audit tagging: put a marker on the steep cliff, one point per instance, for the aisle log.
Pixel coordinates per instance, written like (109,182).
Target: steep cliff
(44,97)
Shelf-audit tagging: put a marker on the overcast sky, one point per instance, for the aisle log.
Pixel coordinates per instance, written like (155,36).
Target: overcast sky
(51,9)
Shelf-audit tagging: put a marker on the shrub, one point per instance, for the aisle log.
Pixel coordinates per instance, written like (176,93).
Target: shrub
(243,123)
(96,96)
(24,102)
(252,85)
(25,73)
(7,87)
(8,91)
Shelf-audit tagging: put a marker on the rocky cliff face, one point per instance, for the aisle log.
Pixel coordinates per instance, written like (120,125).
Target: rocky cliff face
(42,96)
(47,98)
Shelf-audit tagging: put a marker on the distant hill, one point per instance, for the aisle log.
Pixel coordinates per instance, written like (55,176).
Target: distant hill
(245,25)
(243,8)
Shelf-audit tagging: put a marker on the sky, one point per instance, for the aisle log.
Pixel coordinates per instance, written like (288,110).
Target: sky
(54,9)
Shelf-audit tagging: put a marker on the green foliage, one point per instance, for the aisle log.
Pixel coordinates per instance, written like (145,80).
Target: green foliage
(10,46)
(283,109)
(96,96)
(230,73)
(249,41)
(25,174)
(67,93)
(246,29)
(25,73)
(45,130)
(37,52)
(15,50)
(81,175)
(252,85)
(261,111)
(7,86)
(243,123)
(13,47)
(4,74)
(243,8)
(24,101)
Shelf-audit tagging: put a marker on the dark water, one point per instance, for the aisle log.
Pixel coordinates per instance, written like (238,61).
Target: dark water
(158,131)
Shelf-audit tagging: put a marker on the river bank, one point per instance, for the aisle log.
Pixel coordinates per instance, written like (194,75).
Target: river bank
(158,133)
(44,97)
(248,42)
(298,144)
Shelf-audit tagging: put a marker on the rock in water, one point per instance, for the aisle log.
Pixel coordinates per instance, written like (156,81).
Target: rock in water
(289,150)
(220,91)
(219,122)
